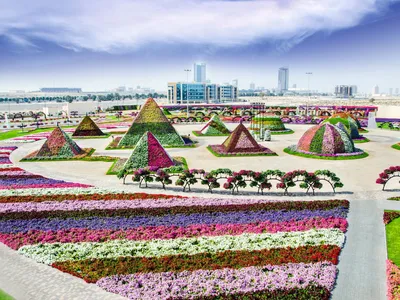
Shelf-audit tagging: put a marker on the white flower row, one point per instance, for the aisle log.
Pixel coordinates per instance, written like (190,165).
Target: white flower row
(49,253)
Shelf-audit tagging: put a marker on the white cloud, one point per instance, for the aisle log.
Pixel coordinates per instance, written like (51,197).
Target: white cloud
(123,25)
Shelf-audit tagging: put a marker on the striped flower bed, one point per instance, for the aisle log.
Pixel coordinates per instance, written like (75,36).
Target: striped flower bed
(163,247)
(35,137)
(14,178)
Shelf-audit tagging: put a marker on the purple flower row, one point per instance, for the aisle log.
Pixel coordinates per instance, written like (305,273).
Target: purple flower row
(242,217)
(202,283)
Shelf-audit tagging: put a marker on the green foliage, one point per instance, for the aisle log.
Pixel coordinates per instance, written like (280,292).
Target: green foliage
(288,150)
(318,140)
(393,241)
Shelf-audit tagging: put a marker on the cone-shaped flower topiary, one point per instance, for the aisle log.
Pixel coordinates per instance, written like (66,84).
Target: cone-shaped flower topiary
(325,139)
(59,145)
(151,118)
(264,121)
(148,153)
(215,127)
(87,127)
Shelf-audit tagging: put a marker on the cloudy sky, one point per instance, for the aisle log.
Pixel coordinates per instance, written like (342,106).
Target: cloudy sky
(102,44)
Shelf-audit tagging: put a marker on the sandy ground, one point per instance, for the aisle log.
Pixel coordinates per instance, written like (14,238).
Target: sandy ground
(362,261)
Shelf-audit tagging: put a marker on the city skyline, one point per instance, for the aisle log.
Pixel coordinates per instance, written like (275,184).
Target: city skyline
(74,44)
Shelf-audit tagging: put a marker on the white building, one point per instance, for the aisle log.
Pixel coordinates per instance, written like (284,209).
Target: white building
(391,92)
(283,79)
(397,91)
(375,90)
(199,71)
(235,82)
(252,86)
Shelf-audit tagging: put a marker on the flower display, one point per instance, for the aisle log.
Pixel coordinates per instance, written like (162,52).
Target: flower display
(148,153)
(214,127)
(87,127)
(59,145)
(146,246)
(151,118)
(240,142)
(264,121)
(347,124)
(387,175)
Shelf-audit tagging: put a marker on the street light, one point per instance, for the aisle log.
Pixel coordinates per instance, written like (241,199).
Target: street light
(309,93)
(187,92)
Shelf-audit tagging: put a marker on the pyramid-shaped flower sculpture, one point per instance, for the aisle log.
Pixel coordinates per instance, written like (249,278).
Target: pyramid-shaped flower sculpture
(151,118)
(148,153)
(87,127)
(240,142)
(59,145)
(215,127)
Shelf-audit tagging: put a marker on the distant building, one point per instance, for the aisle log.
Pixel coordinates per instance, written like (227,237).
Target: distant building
(120,89)
(235,82)
(61,90)
(391,92)
(345,91)
(397,91)
(199,72)
(294,86)
(180,93)
(375,90)
(283,79)
(252,86)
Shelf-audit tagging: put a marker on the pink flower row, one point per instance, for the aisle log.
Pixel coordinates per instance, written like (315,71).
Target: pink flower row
(43,186)
(393,280)
(76,235)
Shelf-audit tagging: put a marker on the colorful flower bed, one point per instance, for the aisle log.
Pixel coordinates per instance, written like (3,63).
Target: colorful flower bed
(164,247)
(387,175)
(214,127)
(326,141)
(265,121)
(88,128)
(12,177)
(240,143)
(34,137)
(392,226)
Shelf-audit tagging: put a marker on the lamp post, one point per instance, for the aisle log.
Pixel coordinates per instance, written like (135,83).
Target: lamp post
(309,93)
(187,92)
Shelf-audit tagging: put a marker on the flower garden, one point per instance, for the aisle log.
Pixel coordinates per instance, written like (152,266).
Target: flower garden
(214,127)
(88,129)
(392,226)
(263,121)
(326,141)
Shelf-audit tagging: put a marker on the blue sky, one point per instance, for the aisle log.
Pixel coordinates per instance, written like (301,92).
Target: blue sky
(103,44)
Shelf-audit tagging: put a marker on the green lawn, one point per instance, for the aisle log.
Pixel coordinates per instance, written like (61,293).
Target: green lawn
(18,132)
(4,296)
(393,241)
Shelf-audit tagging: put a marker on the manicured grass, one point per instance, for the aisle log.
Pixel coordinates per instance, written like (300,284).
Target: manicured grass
(18,133)
(393,241)
(239,154)
(394,198)
(106,135)
(87,157)
(365,140)
(396,146)
(197,133)
(289,151)
(4,296)
(290,131)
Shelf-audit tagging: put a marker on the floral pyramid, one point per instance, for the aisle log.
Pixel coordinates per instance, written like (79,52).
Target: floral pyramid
(151,118)
(240,141)
(215,127)
(60,145)
(148,153)
(87,127)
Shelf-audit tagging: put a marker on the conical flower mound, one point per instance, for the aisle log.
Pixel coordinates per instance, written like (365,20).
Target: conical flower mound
(148,153)
(215,127)
(151,118)
(59,144)
(241,140)
(87,127)
(325,139)
(267,122)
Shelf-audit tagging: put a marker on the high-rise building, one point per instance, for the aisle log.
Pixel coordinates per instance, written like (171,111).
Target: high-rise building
(375,90)
(283,79)
(252,86)
(235,82)
(199,71)
(390,91)
(345,91)
(397,91)
(294,86)
(182,92)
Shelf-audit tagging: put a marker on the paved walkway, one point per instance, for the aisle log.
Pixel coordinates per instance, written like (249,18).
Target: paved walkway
(362,262)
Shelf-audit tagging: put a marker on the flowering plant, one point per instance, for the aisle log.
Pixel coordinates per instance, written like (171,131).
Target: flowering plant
(387,175)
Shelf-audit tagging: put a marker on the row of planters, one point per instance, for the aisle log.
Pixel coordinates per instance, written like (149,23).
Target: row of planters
(236,181)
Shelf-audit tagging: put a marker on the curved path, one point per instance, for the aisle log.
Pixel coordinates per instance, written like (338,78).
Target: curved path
(362,261)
